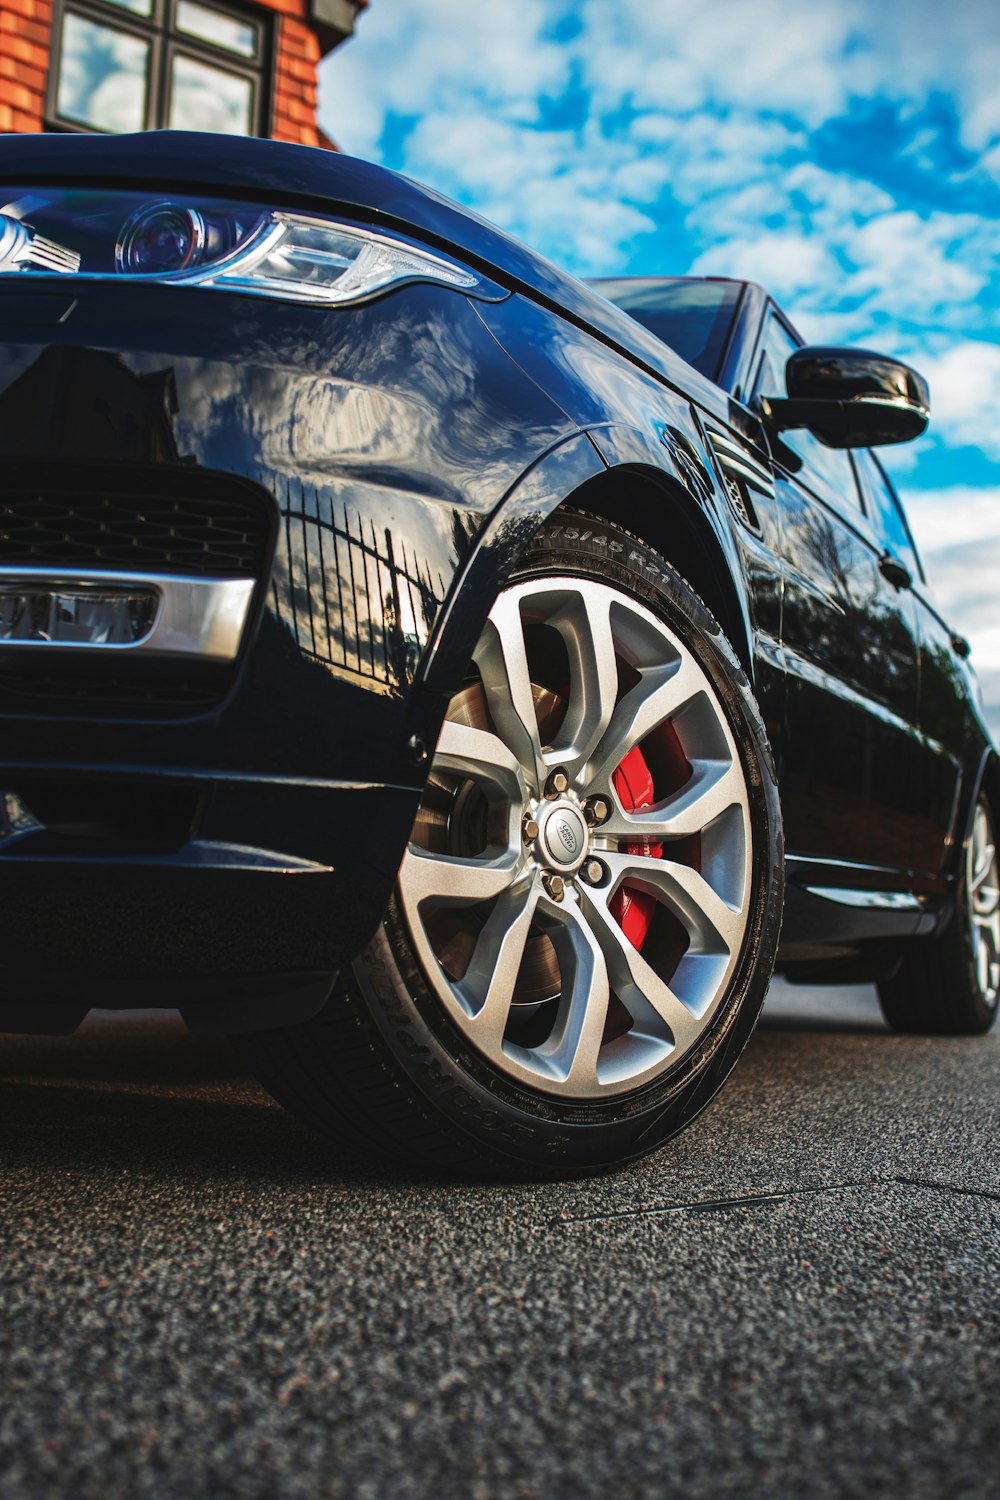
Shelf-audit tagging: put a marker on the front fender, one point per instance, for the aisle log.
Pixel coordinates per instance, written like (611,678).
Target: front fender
(535,495)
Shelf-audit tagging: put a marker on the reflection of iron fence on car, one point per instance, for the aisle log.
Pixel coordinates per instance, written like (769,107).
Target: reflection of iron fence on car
(351,594)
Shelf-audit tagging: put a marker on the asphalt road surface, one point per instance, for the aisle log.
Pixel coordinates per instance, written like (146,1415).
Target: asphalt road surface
(798,1298)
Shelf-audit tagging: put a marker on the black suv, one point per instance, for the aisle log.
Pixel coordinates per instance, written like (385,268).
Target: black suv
(438,676)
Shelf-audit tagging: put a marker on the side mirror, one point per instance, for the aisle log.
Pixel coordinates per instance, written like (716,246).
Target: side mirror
(850,398)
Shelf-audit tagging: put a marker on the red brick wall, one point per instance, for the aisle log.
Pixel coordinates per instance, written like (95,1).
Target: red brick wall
(294,98)
(25,42)
(25,39)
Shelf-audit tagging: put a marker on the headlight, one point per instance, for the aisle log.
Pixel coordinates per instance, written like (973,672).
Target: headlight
(160,237)
(215,243)
(314,260)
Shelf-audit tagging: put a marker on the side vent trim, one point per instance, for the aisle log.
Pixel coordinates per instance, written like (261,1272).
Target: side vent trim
(741,464)
(744,474)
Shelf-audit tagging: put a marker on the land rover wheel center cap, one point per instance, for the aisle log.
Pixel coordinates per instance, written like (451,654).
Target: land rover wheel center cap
(563,836)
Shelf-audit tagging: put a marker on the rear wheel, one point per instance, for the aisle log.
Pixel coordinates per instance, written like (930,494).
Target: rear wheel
(585,918)
(949,984)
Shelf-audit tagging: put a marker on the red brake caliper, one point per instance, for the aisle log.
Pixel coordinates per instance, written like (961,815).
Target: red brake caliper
(631,908)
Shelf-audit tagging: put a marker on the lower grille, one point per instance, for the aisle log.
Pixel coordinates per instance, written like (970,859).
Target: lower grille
(167,520)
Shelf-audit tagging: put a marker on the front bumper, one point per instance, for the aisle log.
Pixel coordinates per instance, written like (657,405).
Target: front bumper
(163,850)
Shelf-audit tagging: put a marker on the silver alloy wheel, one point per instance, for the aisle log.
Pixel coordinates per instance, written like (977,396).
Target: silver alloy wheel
(524,854)
(983,888)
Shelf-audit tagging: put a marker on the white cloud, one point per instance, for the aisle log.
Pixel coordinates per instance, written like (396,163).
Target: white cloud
(986,649)
(708,155)
(832,199)
(408,58)
(917,49)
(785,263)
(488,158)
(989,681)
(351,110)
(829,328)
(954,516)
(520,177)
(794,61)
(957,532)
(910,266)
(965,394)
(675,57)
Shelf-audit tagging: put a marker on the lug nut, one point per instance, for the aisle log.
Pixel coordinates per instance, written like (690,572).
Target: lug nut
(553,885)
(592,871)
(529,829)
(557,783)
(596,810)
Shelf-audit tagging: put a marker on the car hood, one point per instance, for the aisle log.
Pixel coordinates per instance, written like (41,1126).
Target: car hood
(330,182)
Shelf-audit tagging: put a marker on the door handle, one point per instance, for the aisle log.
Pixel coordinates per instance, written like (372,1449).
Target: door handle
(896,572)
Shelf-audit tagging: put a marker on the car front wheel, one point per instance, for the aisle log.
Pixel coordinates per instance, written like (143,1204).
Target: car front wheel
(585,918)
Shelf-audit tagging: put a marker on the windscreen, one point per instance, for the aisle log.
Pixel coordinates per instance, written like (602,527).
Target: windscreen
(691,317)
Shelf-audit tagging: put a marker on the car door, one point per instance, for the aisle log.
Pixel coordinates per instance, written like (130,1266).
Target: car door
(949,739)
(851,762)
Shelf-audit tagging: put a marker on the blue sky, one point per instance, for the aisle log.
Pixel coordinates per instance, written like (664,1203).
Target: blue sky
(846,153)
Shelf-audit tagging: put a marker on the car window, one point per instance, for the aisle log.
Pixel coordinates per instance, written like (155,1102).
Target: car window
(691,317)
(885,511)
(826,469)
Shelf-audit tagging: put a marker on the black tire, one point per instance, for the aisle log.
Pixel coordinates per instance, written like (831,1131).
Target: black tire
(947,985)
(386,1064)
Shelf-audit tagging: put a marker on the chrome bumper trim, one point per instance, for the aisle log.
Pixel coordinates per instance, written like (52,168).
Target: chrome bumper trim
(202,617)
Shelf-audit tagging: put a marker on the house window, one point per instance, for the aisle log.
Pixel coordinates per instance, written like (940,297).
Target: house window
(146,64)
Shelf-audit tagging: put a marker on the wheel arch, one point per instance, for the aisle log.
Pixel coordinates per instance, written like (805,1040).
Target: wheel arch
(649,501)
(664,515)
(983,780)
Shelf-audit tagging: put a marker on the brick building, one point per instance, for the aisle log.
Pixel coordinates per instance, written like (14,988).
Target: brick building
(236,66)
